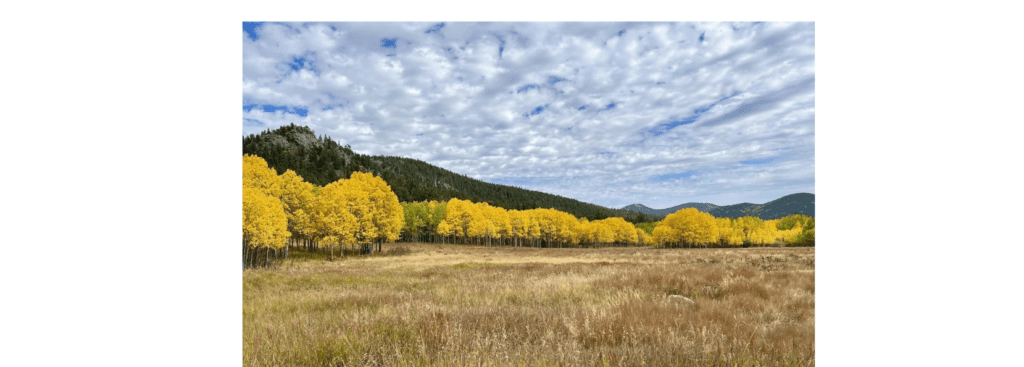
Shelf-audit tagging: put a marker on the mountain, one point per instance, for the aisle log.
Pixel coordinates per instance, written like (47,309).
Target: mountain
(320,160)
(641,208)
(802,203)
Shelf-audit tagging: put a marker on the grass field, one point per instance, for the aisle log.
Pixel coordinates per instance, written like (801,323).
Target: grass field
(459,305)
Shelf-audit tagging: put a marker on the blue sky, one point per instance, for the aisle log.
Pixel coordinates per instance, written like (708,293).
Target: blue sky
(608,113)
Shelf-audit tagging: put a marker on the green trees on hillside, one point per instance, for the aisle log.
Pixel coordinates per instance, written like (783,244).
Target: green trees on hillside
(320,161)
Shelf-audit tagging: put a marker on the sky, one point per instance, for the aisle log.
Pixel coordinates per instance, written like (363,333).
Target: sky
(607,113)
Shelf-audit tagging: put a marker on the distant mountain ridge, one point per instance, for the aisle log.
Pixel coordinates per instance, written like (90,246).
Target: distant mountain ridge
(641,208)
(802,203)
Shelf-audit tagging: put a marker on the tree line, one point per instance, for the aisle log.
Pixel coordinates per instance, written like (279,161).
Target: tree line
(465,222)
(362,212)
(692,228)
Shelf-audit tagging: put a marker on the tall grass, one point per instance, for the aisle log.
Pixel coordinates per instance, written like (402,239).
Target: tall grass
(461,305)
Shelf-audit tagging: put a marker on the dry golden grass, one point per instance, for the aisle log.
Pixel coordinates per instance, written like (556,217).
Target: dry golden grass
(465,305)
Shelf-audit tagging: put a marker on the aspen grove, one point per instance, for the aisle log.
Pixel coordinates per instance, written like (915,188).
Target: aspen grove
(361,213)
(464,222)
(283,211)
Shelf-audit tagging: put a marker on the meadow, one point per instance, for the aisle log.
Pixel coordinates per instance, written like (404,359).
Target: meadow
(455,305)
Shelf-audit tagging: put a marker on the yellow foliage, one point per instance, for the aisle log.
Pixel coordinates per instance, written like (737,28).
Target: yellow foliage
(256,173)
(518,223)
(665,235)
(444,229)
(687,226)
(642,238)
(264,223)
(624,232)
(459,215)
(379,216)
(330,220)
(728,233)
(296,196)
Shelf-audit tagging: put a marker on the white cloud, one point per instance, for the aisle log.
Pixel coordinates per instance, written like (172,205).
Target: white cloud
(501,102)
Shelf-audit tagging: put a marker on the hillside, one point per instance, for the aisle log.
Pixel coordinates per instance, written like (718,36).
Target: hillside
(320,160)
(802,203)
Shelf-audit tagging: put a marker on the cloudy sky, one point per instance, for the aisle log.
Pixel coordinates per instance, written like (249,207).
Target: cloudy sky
(608,113)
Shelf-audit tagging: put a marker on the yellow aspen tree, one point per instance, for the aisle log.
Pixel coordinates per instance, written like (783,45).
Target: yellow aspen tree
(724,230)
(256,173)
(379,216)
(517,226)
(459,215)
(332,222)
(452,217)
(533,228)
(642,238)
(625,233)
(548,227)
(478,224)
(771,231)
(566,227)
(546,223)
(665,235)
(705,230)
(390,220)
(304,226)
(689,226)
(444,229)
(751,229)
(502,224)
(358,204)
(261,204)
(604,233)
(296,195)
(729,230)
(586,232)
(264,225)
(758,232)
(488,223)
(437,213)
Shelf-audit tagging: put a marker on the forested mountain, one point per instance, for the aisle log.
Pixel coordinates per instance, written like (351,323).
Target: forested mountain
(802,203)
(320,160)
(704,207)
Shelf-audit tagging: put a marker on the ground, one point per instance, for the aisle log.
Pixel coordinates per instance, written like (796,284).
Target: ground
(472,305)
